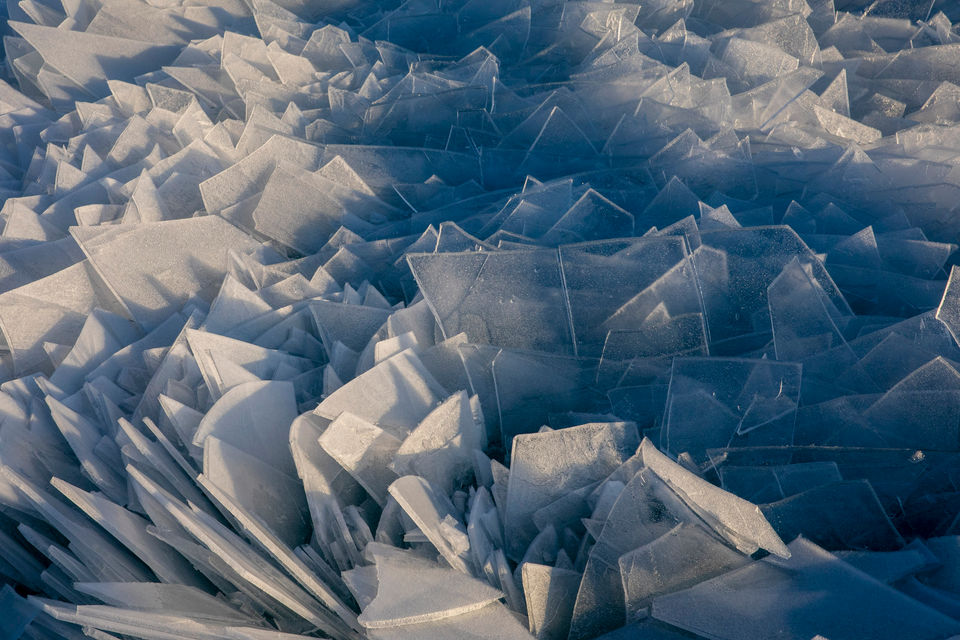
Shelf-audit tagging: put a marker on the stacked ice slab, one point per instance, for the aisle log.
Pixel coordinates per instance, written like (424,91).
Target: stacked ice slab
(480,319)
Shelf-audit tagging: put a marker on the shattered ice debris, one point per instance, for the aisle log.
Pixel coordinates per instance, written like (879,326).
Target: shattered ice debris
(470,320)
(545,466)
(440,448)
(364,450)
(436,517)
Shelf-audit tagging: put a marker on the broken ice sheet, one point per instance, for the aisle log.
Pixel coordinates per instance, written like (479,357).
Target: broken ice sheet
(716,402)
(352,325)
(304,223)
(323,478)
(601,277)
(436,517)
(774,482)
(250,567)
(808,594)
(364,450)
(685,555)
(281,552)
(494,620)
(131,531)
(265,490)
(530,386)
(890,567)
(550,594)
(412,590)
(152,625)
(103,334)
(738,521)
(89,58)
(154,268)
(546,465)
(108,561)
(225,363)
(803,318)
(396,395)
(51,309)
(441,447)
(926,400)
(170,598)
(854,519)
(505,298)
(254,417)
(238,123)
(754,258)
(600,603)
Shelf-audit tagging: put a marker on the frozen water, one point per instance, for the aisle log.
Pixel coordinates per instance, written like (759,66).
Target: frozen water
(479,319)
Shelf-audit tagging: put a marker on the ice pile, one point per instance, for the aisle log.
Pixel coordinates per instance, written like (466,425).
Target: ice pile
(480,319)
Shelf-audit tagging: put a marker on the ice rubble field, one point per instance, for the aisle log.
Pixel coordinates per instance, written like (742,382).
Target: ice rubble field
(480,319)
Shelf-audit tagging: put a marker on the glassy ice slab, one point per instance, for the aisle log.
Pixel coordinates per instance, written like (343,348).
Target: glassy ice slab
(174,260)
(716,402)
(773,587)
(396,395)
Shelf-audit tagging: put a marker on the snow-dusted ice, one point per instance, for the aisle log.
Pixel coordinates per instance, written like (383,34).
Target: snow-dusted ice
(482,319)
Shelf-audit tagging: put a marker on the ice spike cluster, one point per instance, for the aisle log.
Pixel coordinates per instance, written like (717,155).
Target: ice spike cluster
(480,319)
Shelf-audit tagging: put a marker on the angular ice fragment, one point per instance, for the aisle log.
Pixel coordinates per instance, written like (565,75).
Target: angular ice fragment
(170,598)
(684,556)
(550,593)
(248,565)
(493,620)
(411,590)
(918,411)
(847,128)
(350,324)
(740,522)
(323,478)
(100,554)
(51,309)
(645,510)
(436,517)
(887,566)
(102,335)
(949,310)
(714,402)
(293,564)
(364,450)
(154,268)
(396,395)
(854,519)
(263,489)
(545,466)
(507,298)
(90,59)
(440,448)
(254,417)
